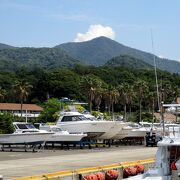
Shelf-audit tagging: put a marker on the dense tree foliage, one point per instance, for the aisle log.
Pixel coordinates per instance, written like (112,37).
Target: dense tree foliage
(110,89)
(6,126)
(50,112)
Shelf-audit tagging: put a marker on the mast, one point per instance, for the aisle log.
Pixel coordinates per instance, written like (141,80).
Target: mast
(155,70)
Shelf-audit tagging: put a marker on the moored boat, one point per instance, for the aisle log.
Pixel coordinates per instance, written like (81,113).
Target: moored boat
(25,133)
(61,135)
(75,122)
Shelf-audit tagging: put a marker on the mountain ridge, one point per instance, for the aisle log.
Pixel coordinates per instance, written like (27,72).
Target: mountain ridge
(99,50)
(94,52)
(5,46)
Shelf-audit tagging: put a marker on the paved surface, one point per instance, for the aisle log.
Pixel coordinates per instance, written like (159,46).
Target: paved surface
(17,164)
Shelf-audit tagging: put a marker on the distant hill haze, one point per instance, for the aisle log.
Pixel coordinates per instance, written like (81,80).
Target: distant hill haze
(99,51)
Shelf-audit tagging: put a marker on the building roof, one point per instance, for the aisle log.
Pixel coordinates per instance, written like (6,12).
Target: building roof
(16,106)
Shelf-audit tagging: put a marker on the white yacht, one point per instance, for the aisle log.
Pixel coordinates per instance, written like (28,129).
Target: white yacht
(61,135)
(75,122)
(25,133)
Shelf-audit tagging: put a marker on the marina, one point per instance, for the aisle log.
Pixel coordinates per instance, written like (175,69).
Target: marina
(89,90)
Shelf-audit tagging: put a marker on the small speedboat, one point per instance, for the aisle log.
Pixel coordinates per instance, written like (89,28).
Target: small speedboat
(25,133)
(61,135)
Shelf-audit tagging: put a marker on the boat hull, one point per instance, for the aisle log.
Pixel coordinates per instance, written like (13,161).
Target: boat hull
(117,127)
(130,132)
(58,137)
(93,129)
(24,138)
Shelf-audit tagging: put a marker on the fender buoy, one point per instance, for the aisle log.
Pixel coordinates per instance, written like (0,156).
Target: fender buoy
(111,175)
(133,171)
(89,177)
(100,176)
(139,168)
(126,172)
(173,165)
(129,171)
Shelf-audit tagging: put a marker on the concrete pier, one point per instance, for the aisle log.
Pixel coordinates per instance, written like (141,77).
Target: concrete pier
(17,164)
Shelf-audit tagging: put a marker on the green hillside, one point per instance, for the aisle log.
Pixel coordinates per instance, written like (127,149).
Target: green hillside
(5,46)
(129,62)
(49,58)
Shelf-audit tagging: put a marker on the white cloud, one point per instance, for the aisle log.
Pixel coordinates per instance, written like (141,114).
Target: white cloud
(94,31)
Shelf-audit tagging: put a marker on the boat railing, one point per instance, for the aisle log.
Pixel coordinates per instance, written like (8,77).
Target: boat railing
(174,132)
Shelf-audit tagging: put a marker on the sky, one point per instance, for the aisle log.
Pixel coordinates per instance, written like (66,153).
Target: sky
(46,23)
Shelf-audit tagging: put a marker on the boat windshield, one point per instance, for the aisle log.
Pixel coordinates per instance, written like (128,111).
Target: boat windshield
(56,129)
(74,118)
(25,126)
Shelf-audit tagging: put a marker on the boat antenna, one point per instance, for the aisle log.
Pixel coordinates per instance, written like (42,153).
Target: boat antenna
(155,69)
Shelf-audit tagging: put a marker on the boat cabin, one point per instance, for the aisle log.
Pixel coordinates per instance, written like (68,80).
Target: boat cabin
(72,117)
(22,127)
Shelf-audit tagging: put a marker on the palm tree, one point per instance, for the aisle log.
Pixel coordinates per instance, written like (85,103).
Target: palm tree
(22,89)
(141,87)
(151,96)
(2,93)
(126,94)
(98,97)
(114,98)
(90,85)
(111,95)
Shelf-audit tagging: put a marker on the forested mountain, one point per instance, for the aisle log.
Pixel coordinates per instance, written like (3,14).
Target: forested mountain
(94,52)
(5,46)
(49,58)
(129,62)
(99,50)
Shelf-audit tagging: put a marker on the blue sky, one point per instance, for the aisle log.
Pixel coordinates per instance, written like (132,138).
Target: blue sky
(38,23)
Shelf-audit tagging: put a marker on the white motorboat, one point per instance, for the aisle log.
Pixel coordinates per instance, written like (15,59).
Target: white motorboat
(25,133)
(114,130)
(116,127)
(131,130)
(75,122)
(61,135)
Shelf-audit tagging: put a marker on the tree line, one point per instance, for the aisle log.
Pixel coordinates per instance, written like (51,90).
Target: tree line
(110,89)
